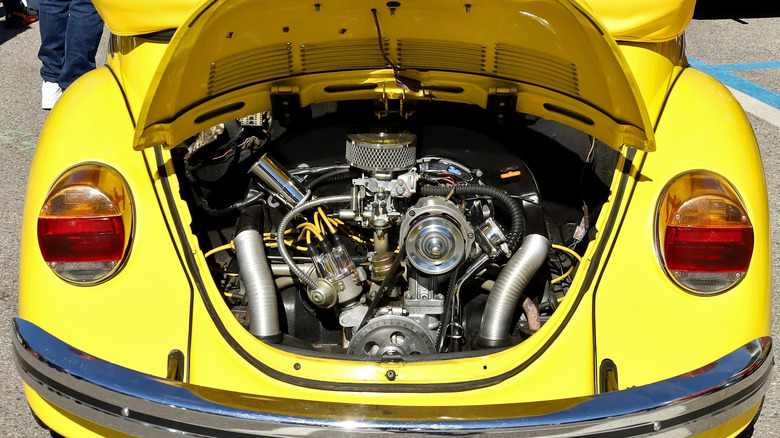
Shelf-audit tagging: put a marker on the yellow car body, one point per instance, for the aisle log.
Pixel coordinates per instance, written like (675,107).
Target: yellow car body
(152,349)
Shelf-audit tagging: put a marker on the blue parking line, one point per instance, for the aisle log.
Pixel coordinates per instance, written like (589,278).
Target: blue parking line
(746,66)
(724,75)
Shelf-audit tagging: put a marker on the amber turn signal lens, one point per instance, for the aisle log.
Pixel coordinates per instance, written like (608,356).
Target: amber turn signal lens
(703,233)
(85,225)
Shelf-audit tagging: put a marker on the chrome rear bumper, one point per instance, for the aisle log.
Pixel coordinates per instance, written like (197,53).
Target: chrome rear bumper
(144,405)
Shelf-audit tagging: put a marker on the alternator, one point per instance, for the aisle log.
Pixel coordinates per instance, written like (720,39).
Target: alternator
(437,235)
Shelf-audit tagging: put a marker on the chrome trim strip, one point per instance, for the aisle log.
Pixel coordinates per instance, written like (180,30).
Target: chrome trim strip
(144,405)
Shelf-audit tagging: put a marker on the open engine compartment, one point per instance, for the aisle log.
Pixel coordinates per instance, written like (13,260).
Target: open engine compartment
(353,230)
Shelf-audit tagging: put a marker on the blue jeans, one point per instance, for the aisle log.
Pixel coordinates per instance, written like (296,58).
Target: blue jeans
(70,35)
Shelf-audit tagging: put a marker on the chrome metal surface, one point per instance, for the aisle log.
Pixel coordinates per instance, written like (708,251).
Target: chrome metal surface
(149,406)
(506,293)
(279,180)
(435,245)
(439,235)
(382,152)
(259,284)
(393,336)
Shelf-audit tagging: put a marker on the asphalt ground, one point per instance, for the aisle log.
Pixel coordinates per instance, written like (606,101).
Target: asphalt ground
(737,42)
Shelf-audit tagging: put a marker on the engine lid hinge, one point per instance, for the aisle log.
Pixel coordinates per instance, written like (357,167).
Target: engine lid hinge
(286,105)
(394,103)
(501,104)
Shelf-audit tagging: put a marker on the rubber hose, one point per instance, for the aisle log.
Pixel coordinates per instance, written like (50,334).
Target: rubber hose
(332,176)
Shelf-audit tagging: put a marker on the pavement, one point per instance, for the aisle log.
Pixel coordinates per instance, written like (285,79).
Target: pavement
(736,42)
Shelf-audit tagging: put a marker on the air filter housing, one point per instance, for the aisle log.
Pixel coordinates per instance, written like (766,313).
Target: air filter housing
(382,152)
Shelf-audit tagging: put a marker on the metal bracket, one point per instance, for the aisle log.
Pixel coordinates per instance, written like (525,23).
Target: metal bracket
(286,105)
(501,104)
(384,106)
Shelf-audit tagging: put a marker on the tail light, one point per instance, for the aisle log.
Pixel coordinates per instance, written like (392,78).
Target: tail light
(704,234)
(86,223)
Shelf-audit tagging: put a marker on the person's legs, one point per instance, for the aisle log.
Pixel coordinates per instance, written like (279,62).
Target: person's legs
(82,38)
(53,25)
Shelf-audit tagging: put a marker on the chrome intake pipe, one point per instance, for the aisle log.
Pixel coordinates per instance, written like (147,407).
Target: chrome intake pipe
(257,278)
(510,284)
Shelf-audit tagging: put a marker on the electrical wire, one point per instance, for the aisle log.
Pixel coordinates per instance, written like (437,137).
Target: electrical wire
(351,233)
(327,220)
(308,226)
(565,274)
(585,213)
(570,253)
(286,243)
(273,235)
(230,245)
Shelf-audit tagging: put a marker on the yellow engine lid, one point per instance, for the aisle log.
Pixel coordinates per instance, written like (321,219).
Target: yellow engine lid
(643,20)
(630,20)
(231,56)
(138,17)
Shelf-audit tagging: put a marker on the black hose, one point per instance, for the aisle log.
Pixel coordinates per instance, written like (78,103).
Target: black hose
(238,205)
(332,176)
(502,197)
(251,219)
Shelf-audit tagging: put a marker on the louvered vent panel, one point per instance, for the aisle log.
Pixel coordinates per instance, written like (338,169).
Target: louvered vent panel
(536,68)
(259,65)
(340,55)
(441,55)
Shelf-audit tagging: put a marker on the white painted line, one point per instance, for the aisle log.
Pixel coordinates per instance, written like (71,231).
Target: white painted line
(757,107)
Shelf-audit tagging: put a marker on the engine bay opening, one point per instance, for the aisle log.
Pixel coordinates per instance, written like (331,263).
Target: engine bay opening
(355,233)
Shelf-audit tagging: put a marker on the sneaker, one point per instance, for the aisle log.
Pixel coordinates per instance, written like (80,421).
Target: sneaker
(50,92)
(20,18)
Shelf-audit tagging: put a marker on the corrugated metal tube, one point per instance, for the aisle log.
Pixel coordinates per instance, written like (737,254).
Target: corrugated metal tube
(257,278)
(503,299)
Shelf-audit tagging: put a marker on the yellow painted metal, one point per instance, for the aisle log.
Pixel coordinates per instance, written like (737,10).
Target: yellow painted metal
(133,60)
(142,313)
(641,20)
(552,55)
(651,328)
(634,20)
(144,16)
(215,364)
(655,67)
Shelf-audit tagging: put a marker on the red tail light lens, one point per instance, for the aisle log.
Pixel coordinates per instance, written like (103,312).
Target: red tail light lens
(708,249)
(89,239)
(704,233)
(85,225)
